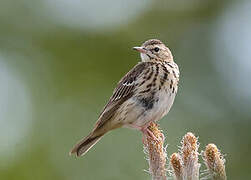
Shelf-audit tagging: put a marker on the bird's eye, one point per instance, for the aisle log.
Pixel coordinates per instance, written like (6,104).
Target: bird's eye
(156,49)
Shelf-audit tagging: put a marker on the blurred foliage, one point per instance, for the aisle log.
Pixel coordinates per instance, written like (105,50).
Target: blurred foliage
(67,74)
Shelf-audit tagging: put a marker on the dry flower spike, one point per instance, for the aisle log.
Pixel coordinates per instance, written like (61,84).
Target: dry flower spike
(156,153)
(189,154)
(214,162)
(176,164)
(185,164)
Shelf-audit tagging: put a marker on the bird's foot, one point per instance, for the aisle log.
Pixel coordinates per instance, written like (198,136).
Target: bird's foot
(148,133)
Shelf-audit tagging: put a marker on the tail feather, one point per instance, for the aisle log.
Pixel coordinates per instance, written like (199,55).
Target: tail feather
(84,145)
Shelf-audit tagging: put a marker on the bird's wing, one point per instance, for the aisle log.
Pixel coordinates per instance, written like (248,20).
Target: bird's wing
(121,93)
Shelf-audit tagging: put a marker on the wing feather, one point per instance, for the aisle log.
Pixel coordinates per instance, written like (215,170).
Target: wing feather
(121,93)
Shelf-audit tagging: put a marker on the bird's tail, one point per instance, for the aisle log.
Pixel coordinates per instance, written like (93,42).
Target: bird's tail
(85,144)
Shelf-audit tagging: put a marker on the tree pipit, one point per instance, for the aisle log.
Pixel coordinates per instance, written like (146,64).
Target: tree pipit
(145,94)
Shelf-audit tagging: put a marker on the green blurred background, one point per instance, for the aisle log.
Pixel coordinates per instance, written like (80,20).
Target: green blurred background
(61,59)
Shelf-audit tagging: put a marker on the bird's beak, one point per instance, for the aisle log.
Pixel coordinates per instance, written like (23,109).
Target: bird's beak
(140,49)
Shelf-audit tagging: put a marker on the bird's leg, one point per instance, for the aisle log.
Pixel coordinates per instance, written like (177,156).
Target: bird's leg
(140,129)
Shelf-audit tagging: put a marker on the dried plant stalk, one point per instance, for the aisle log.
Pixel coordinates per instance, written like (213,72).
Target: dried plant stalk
(185,164)
(189,154)
(156,152)
(214,162)
(176,164)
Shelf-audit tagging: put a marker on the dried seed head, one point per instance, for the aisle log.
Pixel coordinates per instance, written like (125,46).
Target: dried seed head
(189,152)
(176,164)
(214,162)
(156,152)
(189,147)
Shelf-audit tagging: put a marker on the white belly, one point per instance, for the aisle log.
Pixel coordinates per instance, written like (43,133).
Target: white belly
(138,116)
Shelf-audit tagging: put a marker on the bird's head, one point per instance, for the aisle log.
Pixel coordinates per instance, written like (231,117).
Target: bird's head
(154,50)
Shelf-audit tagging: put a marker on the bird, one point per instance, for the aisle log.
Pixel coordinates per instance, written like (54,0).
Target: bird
(144,95)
